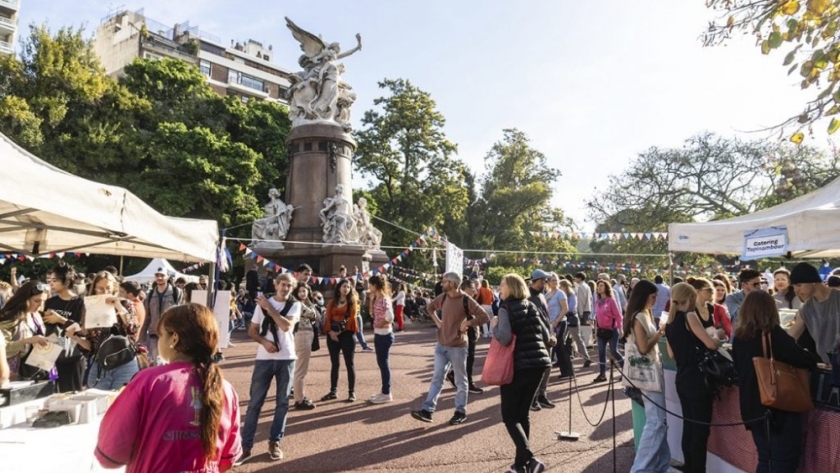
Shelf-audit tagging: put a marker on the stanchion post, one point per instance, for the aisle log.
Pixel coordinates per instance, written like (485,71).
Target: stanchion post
(568,435)
(612,394)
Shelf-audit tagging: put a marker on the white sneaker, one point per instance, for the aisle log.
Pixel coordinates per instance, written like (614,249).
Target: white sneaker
(380,398)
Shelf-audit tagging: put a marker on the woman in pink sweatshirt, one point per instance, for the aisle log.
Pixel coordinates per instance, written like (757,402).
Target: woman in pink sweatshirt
(608,322)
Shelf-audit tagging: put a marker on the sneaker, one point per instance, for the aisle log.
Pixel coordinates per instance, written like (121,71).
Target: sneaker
(305,405)
(458,418)
(535,466)
(231,345)
(545,403)
(600,379)
(587,363)
(380,398)
(274,451)
(451,378)
(246,456)
(475,389)
(351,397)
(517,469)
(367,349)
(423,415)
(330,396)
(535,406)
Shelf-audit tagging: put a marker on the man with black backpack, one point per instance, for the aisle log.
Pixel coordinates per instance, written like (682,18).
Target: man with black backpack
(452,345)
(160,298)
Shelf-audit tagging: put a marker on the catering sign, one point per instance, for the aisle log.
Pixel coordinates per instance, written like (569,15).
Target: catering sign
(765,243)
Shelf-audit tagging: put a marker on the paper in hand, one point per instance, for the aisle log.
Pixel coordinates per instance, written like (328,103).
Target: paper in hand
(44,356)
(98,313)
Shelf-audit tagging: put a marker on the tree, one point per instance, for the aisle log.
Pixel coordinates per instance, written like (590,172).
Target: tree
(418,180)
(807,30)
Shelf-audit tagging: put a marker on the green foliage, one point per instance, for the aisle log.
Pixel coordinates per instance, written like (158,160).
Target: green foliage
(494,274)
(807,30)
(419,181)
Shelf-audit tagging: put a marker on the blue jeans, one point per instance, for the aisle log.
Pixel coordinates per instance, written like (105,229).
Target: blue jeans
(382,344)
(360,335)
(785,443)
(602,351)
(111,380)
(264,372)
(456,357)
(653,455)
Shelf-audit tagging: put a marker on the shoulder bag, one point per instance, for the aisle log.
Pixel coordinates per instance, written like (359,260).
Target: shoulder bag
(781,385)
(498,366)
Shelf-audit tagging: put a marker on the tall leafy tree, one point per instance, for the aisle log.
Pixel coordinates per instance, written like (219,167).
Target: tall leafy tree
(417,180)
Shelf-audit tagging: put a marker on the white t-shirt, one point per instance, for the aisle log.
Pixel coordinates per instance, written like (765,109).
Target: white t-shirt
(400,298)
(287,338)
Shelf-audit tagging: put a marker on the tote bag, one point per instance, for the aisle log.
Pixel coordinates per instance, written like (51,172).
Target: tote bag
(643,371)
(498,366)
(781,385)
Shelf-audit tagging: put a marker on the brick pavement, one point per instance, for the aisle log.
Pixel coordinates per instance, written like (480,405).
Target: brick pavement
(338,436)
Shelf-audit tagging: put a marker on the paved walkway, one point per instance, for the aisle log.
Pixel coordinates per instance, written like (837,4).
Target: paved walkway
(340,436)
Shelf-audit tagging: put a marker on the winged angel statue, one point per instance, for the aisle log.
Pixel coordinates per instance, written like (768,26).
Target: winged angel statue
(317,93)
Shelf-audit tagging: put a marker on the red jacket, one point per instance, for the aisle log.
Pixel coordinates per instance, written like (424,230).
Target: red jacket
(722,320)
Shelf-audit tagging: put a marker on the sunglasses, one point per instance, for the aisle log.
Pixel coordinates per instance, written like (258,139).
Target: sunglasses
(39,288)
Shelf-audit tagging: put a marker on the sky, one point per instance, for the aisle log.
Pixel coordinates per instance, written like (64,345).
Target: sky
(591,83)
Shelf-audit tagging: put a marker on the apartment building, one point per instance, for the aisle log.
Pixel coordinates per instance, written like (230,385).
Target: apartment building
(8,25)
(243,70)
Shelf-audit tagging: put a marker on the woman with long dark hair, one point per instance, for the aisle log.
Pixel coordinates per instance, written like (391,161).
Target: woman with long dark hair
(706,308)
(60,313)
(520,318)
(383,333)
(21,326)
(687,337)
(653,454)
(759,317)
(182,416)
(607,321)
(340,326)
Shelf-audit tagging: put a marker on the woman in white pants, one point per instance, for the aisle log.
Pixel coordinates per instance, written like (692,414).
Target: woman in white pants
(304,334)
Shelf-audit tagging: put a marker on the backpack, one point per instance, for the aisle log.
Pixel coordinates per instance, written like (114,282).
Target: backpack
(466,306)
(268,324)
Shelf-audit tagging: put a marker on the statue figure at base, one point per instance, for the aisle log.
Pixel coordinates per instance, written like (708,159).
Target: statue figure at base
(369,236)
(337,219)
(275,223)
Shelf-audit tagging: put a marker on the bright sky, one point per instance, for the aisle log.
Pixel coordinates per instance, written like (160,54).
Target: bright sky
(591,83)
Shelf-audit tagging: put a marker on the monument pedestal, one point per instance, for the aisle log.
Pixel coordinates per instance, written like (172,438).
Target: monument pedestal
(320,159)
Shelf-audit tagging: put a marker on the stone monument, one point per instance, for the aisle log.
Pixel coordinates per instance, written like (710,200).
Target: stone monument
(318,188)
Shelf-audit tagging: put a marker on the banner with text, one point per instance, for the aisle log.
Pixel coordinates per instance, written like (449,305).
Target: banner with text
(765,243)
(454,259)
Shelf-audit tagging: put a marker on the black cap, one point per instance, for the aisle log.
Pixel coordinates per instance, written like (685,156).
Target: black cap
(804,273)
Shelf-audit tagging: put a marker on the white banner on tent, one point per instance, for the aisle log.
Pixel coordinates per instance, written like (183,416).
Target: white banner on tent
(454,259)
(765,243)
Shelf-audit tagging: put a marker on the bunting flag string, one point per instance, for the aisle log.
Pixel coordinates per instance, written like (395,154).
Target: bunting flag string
(192,268)
(603,236)
(12,257)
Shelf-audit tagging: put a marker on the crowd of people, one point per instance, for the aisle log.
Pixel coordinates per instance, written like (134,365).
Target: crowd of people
(550,318)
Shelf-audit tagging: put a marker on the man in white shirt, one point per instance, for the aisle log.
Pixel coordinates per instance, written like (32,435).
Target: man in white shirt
(272,328)
(584,307)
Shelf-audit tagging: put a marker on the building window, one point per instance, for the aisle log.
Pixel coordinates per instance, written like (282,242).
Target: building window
(204,67)
(152,56)
(244,98)
(235,77)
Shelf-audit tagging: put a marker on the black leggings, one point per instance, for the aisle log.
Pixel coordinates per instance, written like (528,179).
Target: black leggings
(697,405)
(516,410)
(346,344)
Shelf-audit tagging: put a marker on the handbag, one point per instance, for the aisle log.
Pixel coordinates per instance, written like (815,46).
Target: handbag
(316,343)
(641,371)
(498,366)
(604,333)
(781,385)
(718,369)
(117,350)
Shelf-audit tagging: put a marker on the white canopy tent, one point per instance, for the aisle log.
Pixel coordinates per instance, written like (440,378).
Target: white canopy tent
(147,276)
(813,227)
(46,210)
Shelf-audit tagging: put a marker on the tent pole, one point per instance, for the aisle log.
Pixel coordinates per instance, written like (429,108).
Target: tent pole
(121,265)
(211,284)
(671,267)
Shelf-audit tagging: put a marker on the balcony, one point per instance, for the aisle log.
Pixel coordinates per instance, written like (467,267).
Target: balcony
(7,26)
(6,48)
(9,5)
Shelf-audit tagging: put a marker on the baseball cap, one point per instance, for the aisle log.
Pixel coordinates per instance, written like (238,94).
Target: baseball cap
(161,271)
(539,274)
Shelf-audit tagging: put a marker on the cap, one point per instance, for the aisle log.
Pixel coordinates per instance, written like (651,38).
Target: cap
(161,271)
(539,274)
(804,273)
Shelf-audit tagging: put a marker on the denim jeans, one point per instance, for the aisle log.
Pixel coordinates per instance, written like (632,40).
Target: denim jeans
(785,443)
(382,344)
(653,455)
(360,335)
(602,351)
(456,357)
(264,371)
(111,380)
(346,345)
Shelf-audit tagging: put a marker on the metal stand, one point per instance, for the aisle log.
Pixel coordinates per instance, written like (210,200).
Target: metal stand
(568,435)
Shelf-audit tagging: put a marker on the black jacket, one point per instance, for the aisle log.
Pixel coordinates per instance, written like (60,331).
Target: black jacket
(531,333)
(784,349)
